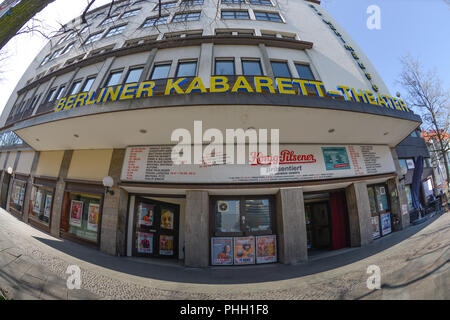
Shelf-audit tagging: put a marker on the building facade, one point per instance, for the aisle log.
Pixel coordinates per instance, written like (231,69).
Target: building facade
(92,133)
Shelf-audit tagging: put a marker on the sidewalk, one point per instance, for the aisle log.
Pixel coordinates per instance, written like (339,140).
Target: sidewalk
(33,266)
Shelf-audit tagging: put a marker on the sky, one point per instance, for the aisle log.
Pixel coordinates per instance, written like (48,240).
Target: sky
(420,28)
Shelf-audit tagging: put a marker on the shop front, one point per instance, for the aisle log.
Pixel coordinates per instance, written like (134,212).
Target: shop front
(17,194)
(42,195)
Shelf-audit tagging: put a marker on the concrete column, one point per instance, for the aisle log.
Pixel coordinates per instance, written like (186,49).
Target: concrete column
(26,201)
(59,194)
(11,181)
(111,206)
(396,206)
(148,64)
(401,199)
(205,62)
(291,226)
(103,74)
(196,234)
(359,214)
(266,60)
(3,173)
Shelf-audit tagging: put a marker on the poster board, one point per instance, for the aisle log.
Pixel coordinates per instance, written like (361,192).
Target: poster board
(146,214)
(145,242)
(166,245)
(266,249)
(386,223)
(48,205)
(222,251)
(376,227)
(76,212)
(93,216)
(244,250)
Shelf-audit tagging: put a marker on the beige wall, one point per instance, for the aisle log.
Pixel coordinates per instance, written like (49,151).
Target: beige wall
(90,164)
(25,162)
(49,163)
(11,160)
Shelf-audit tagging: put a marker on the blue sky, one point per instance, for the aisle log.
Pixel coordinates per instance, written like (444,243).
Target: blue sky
(420,28)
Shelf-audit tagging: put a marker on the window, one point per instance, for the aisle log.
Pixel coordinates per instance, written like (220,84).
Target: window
(288,37)
(46,59)
(72,35)
(60,92)
(113,78)
(154,21)
(268,16)
(182,17)
(234,14)
(88,84)
(224,67)
(194,34)
(61,40)
(93,37)
(84,216)
(166,5)
(109,20)
(243,216)
(114,31)
(270,35)
(304,72)
(160,71)
(187,69)
(280,69)
(130,13)
(172,35)
(134,75)
(51,95)
(402,163)
(233,1)
(55,54)
(224,33)
(41,203)
(18,195)
(192,2)
(68,48)
(251,68)
(261,2)
(75,87)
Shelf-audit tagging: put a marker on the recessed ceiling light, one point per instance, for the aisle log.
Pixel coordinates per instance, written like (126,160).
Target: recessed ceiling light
(331,130)
(386,133)
(143,131)
(37,139)
(76,136)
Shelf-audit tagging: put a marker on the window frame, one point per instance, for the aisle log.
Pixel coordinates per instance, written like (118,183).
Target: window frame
(131,69)
(304,65)
(243,60)
(267,13)
(222,59)
(287,66)
(123,26)
(108,78)
(186,14)
(179,62)
(234,14)
(158,64)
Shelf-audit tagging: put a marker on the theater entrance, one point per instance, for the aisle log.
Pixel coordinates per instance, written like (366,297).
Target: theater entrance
(156,227)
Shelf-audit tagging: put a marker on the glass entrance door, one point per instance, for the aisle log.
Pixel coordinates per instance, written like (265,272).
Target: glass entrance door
(380,210)
(155,228)
(318,228)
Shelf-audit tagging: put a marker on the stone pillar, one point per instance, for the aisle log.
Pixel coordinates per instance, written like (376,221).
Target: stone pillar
(396,206)
(146,72)
(3,173)
(401,199)
(205,62)
(359,214)
(11,181)
(111,206)
(196,238)
(59,194)
(26,201)
(291,226)
(266,60)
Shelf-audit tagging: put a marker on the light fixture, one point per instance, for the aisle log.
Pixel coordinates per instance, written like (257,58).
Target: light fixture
(143,131)
(108,182)
(386,133)
(9,170)
(76,136)
(330,130)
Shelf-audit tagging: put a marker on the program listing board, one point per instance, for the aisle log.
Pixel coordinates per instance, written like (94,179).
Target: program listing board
(154,164)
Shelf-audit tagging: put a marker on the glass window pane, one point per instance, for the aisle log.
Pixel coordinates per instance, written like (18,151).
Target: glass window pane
(251,68)
(281,69)
(228,216)
(160,72)
(304,72)
(75,87)
(257,215)
(373,208)
(113,79)
(382,200)
(187,69)
(134,75)
(88,84)
(60,93)
(84,216)
(402,163)
(225,68)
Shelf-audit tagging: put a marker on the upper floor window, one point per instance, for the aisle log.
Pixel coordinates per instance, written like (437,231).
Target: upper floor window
(233,1)
(190,16)
(115,31)
(51,95)
(130,13)
(160,71)
(192,2)
(154,21)
(113,78)
(93,37)
(268,16)
(134,75)
(55,54)
(88,84)
(75,87)
(251,68)
(60,92)
(186,69)
(224,67)
(166,5)
(68,48)
(61,40)
(304,71)
(261,2)
(280,69)
(109,19)
(235,14)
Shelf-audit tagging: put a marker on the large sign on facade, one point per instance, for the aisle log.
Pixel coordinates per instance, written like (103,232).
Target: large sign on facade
(153,164)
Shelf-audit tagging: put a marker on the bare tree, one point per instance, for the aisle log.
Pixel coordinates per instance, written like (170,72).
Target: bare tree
(425,93)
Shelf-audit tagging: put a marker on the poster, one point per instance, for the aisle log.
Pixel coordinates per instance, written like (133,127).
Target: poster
(93,214)
(145,242)
(76,211)
(166,245)
(336,158)
(386,223)
(167,218)
(22,195)
(16,194)
(221,251)
(266,249)
(375,227)
(48,205)
(244,250)
(37,202)
(146,214)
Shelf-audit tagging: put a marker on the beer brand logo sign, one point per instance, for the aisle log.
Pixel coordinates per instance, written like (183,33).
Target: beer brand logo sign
(285,157)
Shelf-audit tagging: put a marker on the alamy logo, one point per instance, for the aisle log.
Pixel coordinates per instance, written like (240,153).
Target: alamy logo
(374,20)
(374,281)
(74,280)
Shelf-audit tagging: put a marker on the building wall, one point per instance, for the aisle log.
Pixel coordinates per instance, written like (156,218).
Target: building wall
(90,164)
(49,163)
